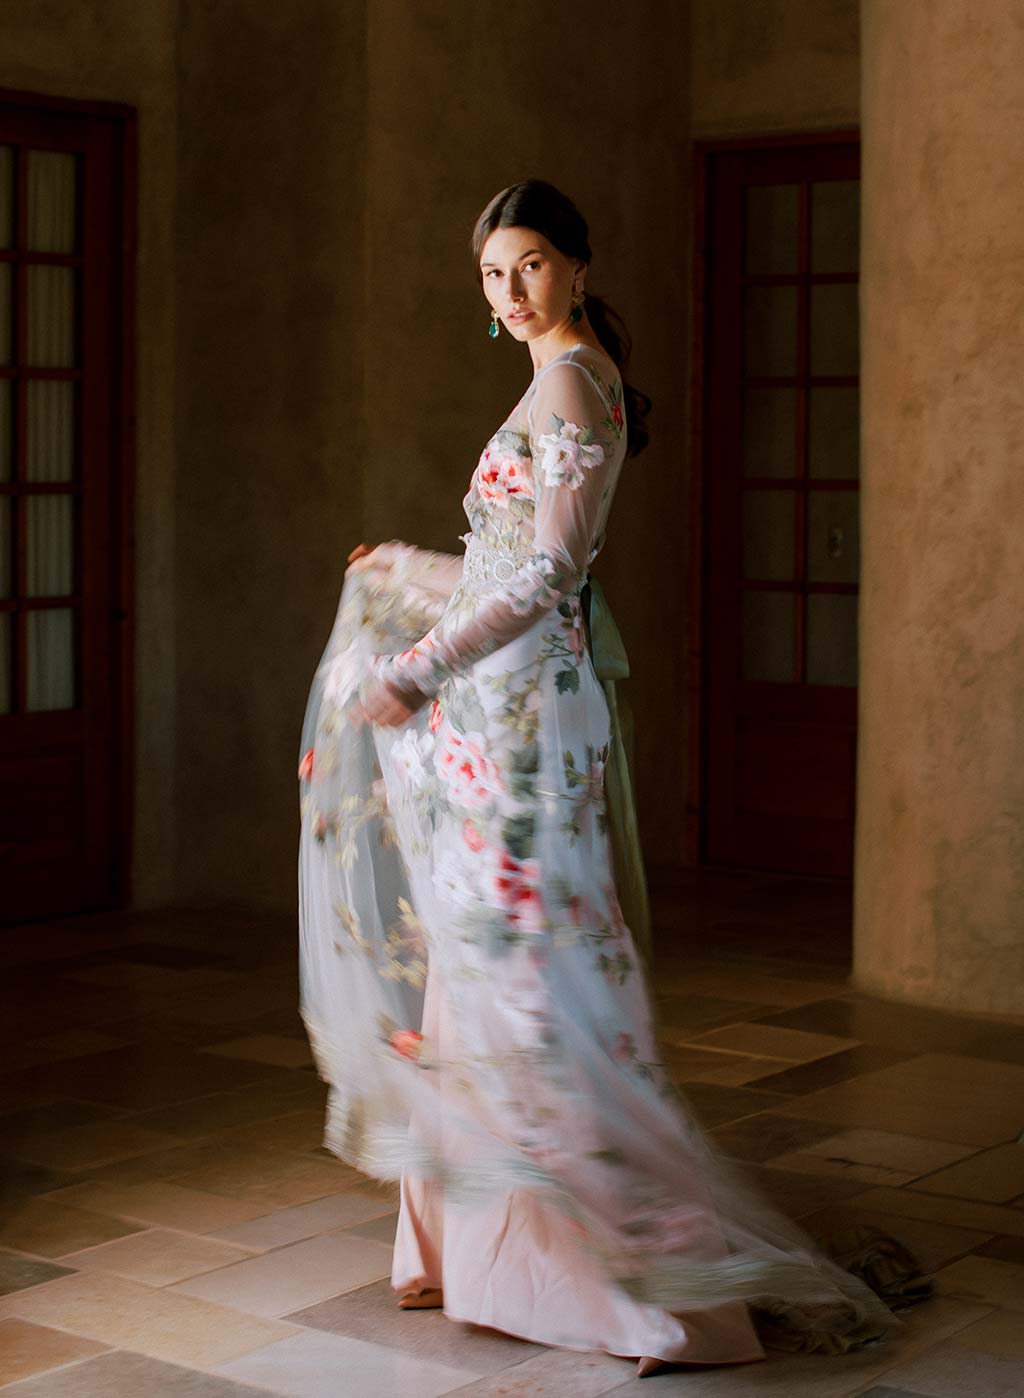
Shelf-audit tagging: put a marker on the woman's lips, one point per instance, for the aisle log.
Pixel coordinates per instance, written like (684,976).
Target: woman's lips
(520,315)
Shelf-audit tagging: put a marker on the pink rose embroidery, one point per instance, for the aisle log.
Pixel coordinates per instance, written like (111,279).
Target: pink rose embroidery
(624,1047)
(472,836)
(503,476)
(407,1042)
(516,888)
(306,766)
(436,717)
(471,777)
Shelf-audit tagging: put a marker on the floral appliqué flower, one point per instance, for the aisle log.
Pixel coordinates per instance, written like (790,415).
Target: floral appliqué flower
(472,778)
(503,476)
(516,885)
(306,766)
(407,1042)
(565,458)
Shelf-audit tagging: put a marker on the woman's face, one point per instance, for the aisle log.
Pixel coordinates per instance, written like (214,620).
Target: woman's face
(528,281)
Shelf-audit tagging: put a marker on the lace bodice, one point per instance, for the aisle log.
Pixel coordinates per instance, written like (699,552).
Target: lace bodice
(537,506)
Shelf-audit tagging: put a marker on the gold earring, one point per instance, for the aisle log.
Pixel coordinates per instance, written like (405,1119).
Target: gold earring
(493,328)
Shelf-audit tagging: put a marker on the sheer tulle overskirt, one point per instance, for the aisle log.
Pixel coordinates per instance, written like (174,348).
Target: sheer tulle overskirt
(557,1089)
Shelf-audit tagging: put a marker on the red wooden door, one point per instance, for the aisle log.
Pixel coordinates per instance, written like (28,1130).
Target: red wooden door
(780,538)
(64,260)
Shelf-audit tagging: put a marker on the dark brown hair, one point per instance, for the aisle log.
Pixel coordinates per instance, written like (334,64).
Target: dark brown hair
(538,205)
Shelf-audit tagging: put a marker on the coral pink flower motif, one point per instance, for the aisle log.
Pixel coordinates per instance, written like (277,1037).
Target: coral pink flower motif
(502,476)
(624,1046)
(436,717)
(515,887)
(471,776)
(617,416)
(306,766)
(407,1042)
(472,836)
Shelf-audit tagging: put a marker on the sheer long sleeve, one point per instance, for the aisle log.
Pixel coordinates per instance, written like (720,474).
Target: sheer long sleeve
(575,448)
(435,571)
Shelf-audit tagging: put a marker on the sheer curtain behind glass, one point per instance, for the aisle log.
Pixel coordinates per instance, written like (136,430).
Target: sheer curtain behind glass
(50,523)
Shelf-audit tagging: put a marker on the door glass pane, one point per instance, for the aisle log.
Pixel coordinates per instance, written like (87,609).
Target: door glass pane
(50,547)
(51,316)
(833,439)
(6,642)
(769,431)
(772,222)
(767,643)
(831,639)
(833,535)
(6,197)
(835,329)
(770,339)
(52,201)
(6,429)
(835,226)
(767,534)
(51,660)
(6,547)
(50,430)
(6,313)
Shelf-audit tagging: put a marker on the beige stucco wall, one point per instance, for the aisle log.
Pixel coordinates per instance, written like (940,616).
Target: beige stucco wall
(117,50)
(940,836)
(336,377)
(774,65)
(271,342)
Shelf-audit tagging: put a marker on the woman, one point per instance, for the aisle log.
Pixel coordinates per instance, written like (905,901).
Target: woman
(471,989)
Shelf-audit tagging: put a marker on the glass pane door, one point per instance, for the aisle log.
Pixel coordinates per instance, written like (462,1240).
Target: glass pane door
(40,271)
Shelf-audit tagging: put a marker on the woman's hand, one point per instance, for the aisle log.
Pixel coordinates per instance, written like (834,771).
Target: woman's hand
(360,552)
(381,705)
(381,556)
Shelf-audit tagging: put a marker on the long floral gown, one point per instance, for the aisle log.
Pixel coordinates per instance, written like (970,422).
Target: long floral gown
(471,991)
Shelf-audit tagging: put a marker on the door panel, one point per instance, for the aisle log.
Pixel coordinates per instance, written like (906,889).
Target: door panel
(780,530)
(63,421)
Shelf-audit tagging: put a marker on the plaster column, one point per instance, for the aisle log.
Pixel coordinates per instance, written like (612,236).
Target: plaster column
(939,881)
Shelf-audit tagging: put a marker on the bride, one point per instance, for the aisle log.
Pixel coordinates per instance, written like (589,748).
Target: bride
(471,982)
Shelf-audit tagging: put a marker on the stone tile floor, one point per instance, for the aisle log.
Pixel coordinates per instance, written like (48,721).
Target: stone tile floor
(170,1224)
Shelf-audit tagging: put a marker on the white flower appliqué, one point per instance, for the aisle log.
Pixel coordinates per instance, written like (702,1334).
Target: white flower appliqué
(565,458)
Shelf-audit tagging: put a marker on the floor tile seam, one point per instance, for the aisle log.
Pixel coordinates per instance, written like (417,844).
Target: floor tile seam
(98,1164)
(156,1292)
(724,1052)
(21,1255)
(76,1363)
(112,1113)
(305,1238)
(183,1281)
(149,1226)
(221,1371)
(911,1179)
(157,1228)
(848,1047)
(953,1198)
(258,1253)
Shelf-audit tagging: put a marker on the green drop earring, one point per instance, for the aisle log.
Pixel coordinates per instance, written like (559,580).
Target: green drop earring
(493,329)
(576,314)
